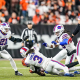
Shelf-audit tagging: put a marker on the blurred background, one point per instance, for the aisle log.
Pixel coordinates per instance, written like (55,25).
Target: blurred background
(44,14)
(40,11)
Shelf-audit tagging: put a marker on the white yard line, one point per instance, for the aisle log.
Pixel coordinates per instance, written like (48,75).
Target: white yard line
(12,68)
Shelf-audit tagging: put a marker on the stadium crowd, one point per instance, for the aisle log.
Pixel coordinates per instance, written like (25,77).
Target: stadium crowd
(40,11)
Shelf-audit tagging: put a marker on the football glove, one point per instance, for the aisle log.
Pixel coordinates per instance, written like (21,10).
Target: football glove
(54,42)
(69,40)
(45,44)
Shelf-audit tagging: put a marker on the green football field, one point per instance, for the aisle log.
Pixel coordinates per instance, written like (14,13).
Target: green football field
(7,73)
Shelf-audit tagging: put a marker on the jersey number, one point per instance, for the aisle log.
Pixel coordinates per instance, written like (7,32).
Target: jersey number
(37,58)
(3,41)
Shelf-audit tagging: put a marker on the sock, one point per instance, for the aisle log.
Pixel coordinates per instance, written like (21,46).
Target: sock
(16,71)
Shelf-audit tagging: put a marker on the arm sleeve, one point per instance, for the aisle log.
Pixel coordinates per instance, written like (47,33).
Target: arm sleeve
(64,42)
(15,39)
(77,29)
(35,35)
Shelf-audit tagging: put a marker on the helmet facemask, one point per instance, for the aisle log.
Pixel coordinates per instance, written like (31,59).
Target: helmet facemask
(5,28)
(58,30)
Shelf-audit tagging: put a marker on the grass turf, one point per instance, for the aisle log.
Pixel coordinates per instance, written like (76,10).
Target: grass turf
(7,73)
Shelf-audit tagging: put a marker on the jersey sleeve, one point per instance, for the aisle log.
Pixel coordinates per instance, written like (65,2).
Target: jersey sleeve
(65,36)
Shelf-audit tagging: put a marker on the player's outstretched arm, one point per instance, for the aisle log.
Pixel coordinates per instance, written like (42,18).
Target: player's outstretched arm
(15,39)
(75,31)
(64,42)
(50,46)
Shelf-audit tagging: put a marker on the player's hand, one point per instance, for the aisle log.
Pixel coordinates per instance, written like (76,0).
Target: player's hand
(53,42)
(69,40)
(4,47)
(45,44)
(25,38)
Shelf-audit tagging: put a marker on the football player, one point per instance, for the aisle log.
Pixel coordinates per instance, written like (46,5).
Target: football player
(34,58)
(69,50)
(5,34)
(70,39)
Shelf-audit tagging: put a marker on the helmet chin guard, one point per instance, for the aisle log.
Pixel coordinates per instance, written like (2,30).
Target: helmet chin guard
(58,29)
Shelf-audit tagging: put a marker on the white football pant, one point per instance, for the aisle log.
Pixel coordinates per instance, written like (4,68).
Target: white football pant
(6,55)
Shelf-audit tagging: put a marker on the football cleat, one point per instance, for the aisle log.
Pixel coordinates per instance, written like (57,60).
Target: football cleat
(18,73)
(76,72)
(68,74)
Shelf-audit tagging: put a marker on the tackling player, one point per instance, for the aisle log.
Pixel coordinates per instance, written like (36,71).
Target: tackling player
(34,58)
(5,34)
(68,50)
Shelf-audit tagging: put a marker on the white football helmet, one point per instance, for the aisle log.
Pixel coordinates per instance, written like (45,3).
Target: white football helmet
(23,51)
(4,27)
(59,29)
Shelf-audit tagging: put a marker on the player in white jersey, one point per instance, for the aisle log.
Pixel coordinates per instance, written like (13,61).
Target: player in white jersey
(35,58)
(5,34)
(62,39)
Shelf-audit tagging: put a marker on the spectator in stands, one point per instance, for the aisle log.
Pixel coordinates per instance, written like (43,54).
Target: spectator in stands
(2,4)
(75,21)
(77,2)
(73,5)
(14,19)
(46,17)
(69,3)
(2,19)
(48,4)
(6,15)
(68,21)
(72,16)
(58,19)
(37,17)
(23,7)
(51,21)
(61,6)
(42,19)
(55,8)
(14,6)
(36,2)
(43,8)
(31,9)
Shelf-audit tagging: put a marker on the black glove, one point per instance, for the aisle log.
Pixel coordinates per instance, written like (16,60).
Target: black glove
(26,38)
(3,47)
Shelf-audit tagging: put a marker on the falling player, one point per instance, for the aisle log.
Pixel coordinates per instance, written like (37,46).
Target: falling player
(35,58)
